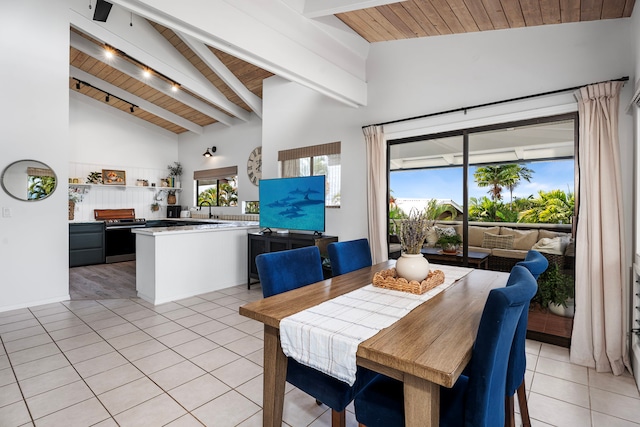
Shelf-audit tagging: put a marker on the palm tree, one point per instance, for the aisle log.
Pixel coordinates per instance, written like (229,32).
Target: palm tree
(551,207)
(490,176)
(513,174)
(499,176)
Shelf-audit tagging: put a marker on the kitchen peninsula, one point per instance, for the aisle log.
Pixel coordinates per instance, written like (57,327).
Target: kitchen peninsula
(179,262)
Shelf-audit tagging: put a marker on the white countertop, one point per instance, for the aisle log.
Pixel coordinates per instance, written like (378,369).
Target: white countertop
(216,225)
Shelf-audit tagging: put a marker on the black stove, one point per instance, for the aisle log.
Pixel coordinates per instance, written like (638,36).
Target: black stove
(120,242)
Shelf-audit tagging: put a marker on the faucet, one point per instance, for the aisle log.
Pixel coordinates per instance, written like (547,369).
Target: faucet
(207,204)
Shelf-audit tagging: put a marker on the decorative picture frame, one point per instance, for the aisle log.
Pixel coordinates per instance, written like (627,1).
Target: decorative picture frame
(113,177)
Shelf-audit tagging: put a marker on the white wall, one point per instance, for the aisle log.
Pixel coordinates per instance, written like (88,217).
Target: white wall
(233,144)
(420,76)
(34,45)
(102,137)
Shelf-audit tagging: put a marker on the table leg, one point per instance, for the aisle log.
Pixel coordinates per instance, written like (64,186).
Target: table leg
(421,402)
(275,376)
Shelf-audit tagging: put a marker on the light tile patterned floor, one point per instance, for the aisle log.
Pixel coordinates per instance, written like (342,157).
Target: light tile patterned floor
(197,362)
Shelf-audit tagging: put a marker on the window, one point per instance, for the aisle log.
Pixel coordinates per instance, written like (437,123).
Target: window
(323,159)
(217,187)
(520,174)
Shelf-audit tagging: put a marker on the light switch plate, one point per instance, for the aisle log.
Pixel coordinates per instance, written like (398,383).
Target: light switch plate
(6,212)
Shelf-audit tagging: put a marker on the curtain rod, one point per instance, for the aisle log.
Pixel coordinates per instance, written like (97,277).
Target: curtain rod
(621,79)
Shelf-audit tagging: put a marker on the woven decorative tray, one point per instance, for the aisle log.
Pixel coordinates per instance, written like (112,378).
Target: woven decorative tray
(389,279)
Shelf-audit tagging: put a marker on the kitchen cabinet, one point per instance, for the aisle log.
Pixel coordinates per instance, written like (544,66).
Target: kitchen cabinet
(260,243)
(86,244)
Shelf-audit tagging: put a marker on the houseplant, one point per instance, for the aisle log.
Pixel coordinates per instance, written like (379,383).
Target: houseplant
(449,241)
(556,291)
(175,171)
(413,232)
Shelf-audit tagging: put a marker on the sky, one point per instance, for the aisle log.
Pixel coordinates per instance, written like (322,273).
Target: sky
(446,183)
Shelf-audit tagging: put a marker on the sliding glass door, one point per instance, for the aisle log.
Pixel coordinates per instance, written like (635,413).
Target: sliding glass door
(501,187)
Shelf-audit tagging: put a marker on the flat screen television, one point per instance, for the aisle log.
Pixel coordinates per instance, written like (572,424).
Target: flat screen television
(293,203)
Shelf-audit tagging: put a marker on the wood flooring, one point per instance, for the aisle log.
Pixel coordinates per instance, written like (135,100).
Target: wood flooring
(103,281)
(550,328)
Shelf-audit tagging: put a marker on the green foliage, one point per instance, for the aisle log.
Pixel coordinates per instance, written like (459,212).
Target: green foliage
(39,187)
(551,207)
(175,169)
(487,210)
(554,287)
(223,194)
(497,177)
(454,239)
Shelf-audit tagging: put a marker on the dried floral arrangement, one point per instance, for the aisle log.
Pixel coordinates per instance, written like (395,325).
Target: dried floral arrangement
(413,230)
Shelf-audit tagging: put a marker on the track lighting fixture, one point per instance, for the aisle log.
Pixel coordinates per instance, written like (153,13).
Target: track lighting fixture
(107,95)
(210,151)
(146,70)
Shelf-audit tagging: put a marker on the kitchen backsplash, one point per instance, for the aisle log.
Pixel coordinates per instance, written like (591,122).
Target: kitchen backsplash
(139,198)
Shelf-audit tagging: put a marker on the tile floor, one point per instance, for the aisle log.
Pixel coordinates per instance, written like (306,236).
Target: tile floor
(197,362)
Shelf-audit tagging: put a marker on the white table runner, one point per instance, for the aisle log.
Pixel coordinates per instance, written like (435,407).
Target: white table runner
(326,336)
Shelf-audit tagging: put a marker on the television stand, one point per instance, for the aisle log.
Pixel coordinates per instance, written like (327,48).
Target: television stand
(260,243)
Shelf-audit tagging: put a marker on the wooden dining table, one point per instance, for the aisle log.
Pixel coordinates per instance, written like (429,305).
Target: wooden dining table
(426,349)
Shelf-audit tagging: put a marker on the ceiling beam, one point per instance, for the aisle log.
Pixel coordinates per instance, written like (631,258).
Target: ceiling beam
(129,97)
(270,35)
(317,8)
(157,83)
(143,42)
(254,102)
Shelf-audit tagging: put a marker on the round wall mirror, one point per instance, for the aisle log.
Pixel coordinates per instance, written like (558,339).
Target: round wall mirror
(28,180)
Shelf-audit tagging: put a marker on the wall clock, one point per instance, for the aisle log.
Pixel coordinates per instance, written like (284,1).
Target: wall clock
(254,165)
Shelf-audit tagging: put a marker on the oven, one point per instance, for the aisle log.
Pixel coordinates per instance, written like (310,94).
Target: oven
(120,242)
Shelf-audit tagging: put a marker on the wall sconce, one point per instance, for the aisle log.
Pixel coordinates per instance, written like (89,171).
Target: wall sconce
(210,151)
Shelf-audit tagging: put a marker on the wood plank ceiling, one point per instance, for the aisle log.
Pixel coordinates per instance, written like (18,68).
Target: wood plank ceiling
(395,21)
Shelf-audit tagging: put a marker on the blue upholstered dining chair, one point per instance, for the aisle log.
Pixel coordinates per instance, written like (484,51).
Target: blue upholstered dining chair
(476,399)
(349,256)
(286,270)
(536,263)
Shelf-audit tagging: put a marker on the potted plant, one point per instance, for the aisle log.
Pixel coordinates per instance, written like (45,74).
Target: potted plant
(413,232)
(155,207)
(556,291)
(449,241)
(175,171)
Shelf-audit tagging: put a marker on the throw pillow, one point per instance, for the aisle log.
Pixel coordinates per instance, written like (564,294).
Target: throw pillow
(552,245)
(432,236)
(497,241)
(522,239)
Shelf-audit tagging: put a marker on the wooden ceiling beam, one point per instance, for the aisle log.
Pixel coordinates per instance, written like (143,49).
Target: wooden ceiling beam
(140,102)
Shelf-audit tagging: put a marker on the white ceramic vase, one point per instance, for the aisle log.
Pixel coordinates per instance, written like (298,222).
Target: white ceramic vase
(412,267)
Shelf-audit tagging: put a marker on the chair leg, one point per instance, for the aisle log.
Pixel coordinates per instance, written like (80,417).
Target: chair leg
(509,412)
(524,407)
(338,419)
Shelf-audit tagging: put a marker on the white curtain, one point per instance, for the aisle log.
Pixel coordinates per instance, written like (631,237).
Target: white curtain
(598,339)
(377,192)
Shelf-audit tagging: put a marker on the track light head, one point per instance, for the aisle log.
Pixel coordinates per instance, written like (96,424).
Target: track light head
(78,85)
(106,98)
(132,109)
